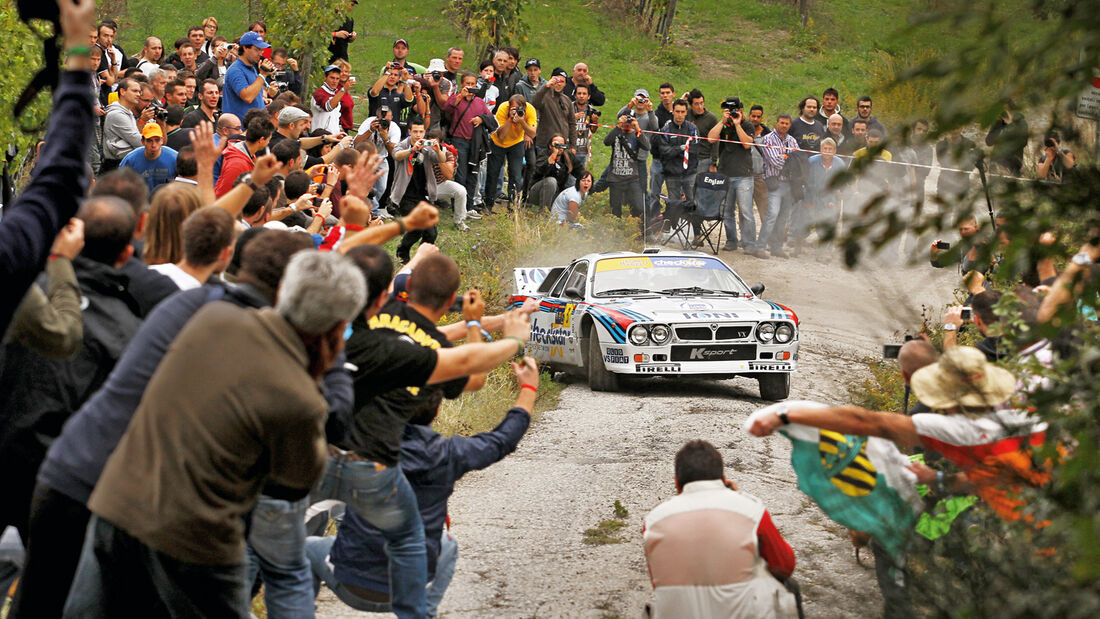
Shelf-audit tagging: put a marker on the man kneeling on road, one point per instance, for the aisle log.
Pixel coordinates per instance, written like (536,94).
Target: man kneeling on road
(710,548)
(356,570)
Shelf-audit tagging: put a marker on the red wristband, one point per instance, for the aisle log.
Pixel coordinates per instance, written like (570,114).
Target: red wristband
(531,387)
(53,257)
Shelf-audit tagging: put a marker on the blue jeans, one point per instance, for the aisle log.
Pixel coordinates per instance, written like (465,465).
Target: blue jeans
(119,576)
(385,499)
(277,549)
(379,189)
(318,549)
(779,212)
(464,175)
(738,205)
(514,156)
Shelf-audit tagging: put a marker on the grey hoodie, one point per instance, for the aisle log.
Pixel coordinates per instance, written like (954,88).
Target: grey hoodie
(120,132)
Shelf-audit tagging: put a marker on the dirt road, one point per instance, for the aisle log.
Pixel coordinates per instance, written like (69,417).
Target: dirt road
(519,524)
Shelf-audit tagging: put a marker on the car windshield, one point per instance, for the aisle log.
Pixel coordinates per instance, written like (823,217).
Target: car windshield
(671,275)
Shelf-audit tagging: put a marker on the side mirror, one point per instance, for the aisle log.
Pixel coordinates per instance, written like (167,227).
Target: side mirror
(758,289)
(573,292)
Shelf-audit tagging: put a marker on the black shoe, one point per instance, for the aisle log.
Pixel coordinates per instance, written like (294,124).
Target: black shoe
(403,257)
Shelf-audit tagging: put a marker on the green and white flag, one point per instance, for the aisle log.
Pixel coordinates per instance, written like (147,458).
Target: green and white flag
(860,482)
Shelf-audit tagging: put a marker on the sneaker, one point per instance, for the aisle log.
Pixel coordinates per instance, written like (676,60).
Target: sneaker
(780,254)
(473,214)
(462,226)
(729,247)
(763,255)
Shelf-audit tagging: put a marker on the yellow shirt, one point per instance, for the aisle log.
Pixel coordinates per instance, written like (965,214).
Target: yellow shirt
(511,135)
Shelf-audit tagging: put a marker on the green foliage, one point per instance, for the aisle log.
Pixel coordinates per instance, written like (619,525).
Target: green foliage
(619,511)
(307,38)
(491,23)
(22,53)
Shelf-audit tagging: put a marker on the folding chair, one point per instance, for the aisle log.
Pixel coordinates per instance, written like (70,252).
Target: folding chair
(673,226)
(710,193)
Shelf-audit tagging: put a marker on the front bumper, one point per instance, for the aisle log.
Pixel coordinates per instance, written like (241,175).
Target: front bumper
(694,358)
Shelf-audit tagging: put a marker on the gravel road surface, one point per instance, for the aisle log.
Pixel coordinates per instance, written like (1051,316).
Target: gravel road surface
(520,523)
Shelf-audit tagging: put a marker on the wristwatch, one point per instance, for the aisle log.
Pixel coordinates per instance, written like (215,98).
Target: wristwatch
(247,180)
(782,412)
(1081,259)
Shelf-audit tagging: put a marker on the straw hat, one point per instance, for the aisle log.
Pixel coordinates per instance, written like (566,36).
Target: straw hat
(962,378)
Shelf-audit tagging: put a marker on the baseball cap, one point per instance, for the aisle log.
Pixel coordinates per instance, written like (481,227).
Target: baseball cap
(403,41)
(151,130)
(254,39)
(533,62)
(559,71)
(641,91)
(331,68)
(291,114)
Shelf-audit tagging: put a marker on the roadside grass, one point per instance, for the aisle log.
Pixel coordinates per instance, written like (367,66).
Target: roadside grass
(608,531)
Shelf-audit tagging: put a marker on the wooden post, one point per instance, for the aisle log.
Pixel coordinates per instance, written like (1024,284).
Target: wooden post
(306,67)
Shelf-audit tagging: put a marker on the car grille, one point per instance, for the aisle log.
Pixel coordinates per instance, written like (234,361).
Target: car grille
(705,334)
(738,332)
(696,334)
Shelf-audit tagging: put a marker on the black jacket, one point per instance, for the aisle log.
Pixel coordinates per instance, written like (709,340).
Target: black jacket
(41,394)
(670,148)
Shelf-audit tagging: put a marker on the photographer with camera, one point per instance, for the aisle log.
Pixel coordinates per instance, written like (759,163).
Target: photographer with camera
(438,87)
(469,134)
(246,79)
(735,161)
(517,122)
(223,56)
(391,91)
(286,75)
(1055,160)
(414,181)
(625,140)
(555,113)
(552,172)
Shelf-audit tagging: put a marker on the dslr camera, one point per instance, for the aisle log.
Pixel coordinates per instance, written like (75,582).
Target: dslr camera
(481,87)
(518,111)
(732,104)
(437,76)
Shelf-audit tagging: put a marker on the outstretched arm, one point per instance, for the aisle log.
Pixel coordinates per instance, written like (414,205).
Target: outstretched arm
(846,420)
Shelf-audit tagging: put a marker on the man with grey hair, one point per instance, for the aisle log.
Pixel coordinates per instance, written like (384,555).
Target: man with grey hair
(169,532)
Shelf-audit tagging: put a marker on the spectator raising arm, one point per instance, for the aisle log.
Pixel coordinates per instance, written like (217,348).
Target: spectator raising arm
(61,176)
(207,152)
(422,217)
(481,357)
(51,323)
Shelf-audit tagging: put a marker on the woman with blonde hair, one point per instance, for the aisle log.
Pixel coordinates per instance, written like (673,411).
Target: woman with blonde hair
(171,204)
(209,28)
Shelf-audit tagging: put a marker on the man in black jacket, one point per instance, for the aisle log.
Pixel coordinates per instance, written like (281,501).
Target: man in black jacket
(678,161)
(42,393)
(580,76)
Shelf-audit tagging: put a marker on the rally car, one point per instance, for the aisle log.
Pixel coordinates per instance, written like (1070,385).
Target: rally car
(658,312)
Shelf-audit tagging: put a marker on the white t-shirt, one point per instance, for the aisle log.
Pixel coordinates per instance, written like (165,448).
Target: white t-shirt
(560,209)
(393,133)
(177,275)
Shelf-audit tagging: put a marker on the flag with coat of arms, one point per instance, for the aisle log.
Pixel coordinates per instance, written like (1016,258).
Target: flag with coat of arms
(860,482)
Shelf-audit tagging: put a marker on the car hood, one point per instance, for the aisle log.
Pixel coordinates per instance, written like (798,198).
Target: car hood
(709,308)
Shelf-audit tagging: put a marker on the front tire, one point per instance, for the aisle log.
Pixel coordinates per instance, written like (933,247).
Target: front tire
(599,378)
(774,387)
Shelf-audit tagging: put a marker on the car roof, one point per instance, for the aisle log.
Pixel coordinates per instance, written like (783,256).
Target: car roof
(654,251)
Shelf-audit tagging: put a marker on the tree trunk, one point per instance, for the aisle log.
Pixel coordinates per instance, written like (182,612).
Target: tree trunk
(804,11)
(307,69)
(665,26)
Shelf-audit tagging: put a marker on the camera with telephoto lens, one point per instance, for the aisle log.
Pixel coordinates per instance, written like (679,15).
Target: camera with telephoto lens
(481,87)
(593,115)
(159,113)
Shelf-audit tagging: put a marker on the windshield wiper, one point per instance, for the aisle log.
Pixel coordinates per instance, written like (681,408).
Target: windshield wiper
(615,291)
(698,290)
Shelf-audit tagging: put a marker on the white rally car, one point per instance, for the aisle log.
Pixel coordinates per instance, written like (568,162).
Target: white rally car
(658,312)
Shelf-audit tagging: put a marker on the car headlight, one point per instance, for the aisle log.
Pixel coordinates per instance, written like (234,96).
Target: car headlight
(765,332)
(638,335)
(784,333)
(661,334)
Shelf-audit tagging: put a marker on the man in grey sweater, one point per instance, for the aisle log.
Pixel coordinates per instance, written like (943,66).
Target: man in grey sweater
(414,181)
(120,125)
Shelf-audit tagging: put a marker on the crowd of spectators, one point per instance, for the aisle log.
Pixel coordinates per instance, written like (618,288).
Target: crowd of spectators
(154,466)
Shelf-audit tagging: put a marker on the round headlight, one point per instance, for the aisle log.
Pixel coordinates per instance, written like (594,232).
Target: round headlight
(784,333)
(765,332)
(661,334)
(638,335)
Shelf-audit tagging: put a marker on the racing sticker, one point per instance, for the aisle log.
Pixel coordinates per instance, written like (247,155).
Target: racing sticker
(615,355)
(563,315)
(657,368)
(618,264)
(769,367)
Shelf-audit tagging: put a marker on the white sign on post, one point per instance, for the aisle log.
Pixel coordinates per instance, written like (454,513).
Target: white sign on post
(1088,104)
